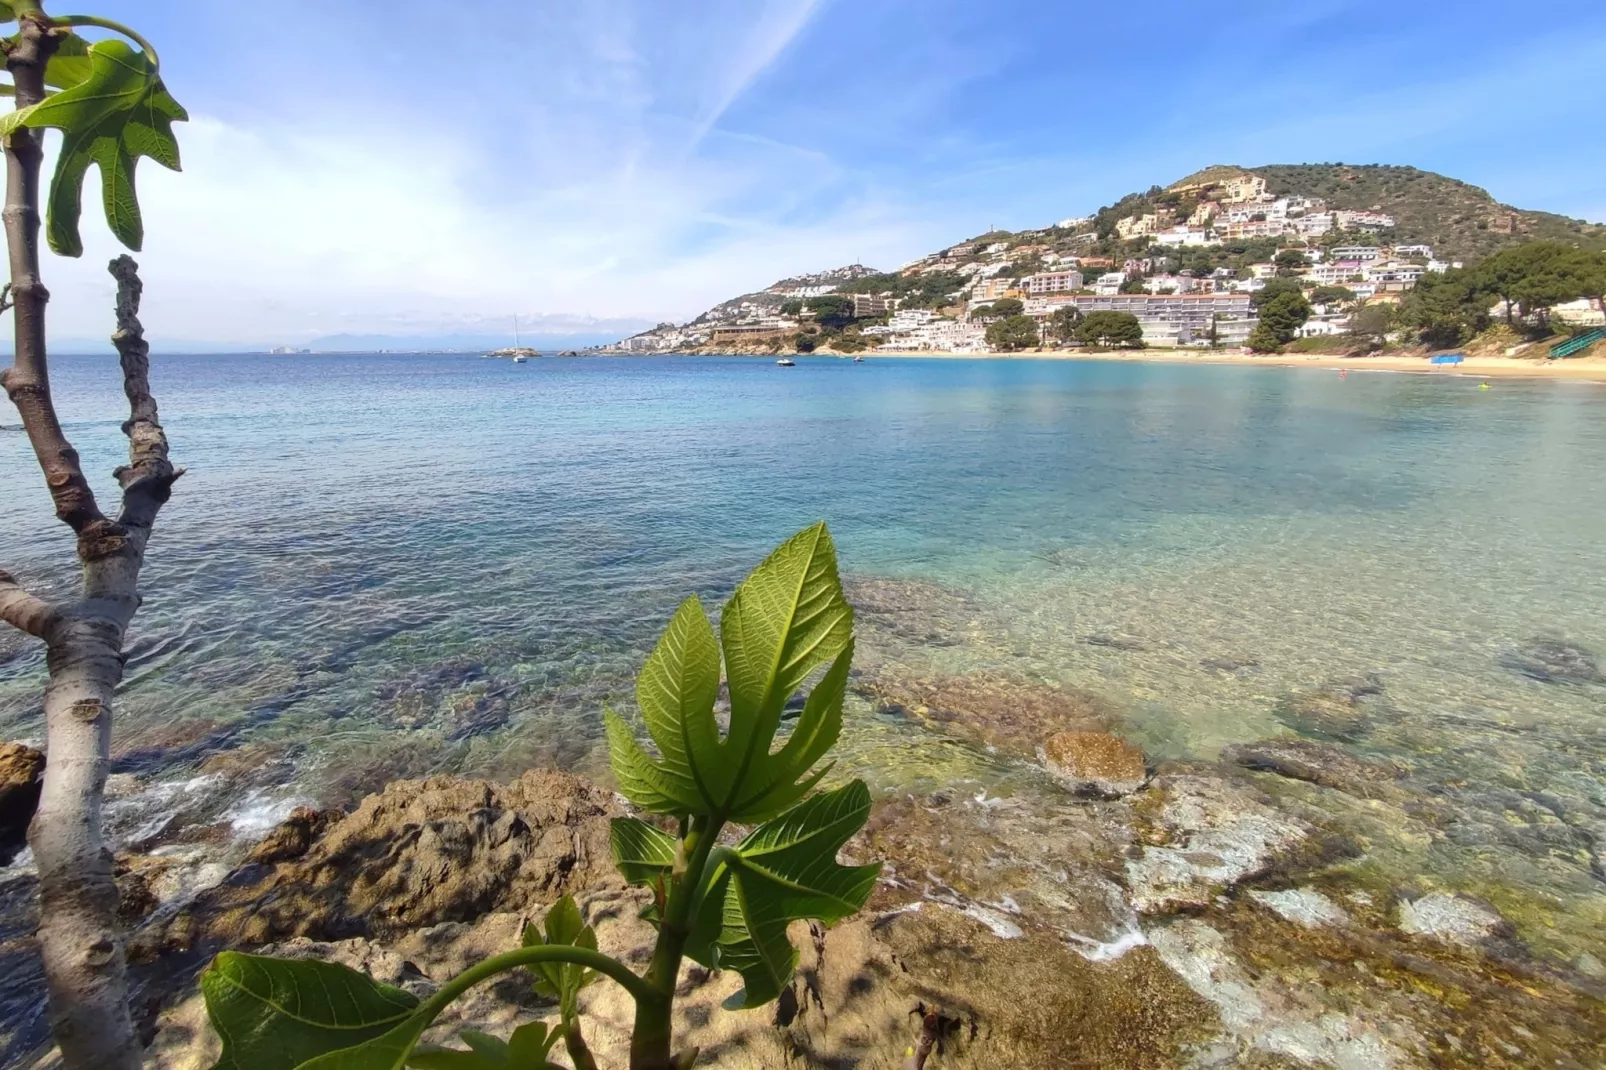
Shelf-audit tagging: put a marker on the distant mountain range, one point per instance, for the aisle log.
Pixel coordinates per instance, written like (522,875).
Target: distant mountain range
(1460,222)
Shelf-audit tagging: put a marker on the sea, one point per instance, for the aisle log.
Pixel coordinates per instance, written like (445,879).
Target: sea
(397,565)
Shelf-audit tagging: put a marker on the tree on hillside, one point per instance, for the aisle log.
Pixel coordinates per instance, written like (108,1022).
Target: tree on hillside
(1290,262)
(792,307)
(1275,287)
(1133,285)
(1062,322)
(1111,329)
(112,108)
(1531,277)
(1332,295)
(1001,308)
(1264,340)
(1369,327)
(1012,333)
(832,311)
(1284,315)
(1445,309)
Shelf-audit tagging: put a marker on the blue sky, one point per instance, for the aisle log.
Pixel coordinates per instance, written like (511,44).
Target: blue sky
(409,169)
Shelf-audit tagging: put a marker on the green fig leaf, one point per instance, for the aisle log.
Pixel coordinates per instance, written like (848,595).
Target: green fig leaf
(787,620)
(69,64)
(277,1014)
(784,871)
(641,853)
(562,981)
(117,113)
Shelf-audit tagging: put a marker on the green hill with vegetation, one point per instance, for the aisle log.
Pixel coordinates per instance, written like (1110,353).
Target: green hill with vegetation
(1460,220)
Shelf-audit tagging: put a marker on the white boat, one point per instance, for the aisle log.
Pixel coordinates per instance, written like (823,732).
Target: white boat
(858,360)
(787,362)
(520,353)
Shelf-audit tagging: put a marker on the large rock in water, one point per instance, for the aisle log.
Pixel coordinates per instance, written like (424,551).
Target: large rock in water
(419,853)
(21,768)
(1095,763)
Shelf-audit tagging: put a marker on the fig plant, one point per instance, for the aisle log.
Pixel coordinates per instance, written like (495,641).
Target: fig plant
(722,900)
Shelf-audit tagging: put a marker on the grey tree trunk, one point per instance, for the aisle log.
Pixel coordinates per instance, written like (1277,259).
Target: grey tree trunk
(80,939)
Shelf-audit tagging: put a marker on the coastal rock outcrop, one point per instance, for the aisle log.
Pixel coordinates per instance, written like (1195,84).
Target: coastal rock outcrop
(1203,835)
(1095,763)
(21,768)
(849,1004)
(417,854)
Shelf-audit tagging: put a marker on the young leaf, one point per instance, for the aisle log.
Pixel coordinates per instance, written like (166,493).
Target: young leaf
(785,870)
(276,1014)
(676,692)
(526,1050)
(787,619)
(562,981)
(117,113)
(642,853)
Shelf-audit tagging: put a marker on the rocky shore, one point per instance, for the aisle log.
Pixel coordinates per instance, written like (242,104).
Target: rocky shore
(1354,890)
(1144,917)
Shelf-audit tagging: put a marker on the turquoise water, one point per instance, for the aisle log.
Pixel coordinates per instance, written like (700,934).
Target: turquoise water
(383,565)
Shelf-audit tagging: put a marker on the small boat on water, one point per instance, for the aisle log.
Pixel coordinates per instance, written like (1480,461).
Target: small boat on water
(787,362)
(520,353)
(858,360)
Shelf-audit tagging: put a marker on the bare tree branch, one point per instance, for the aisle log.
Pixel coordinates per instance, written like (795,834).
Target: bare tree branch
(28,612)
(147,479)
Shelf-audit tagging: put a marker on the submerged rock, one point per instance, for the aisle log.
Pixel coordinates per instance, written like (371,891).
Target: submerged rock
(1205,835)
(1342,709)
(1302,906)
(1095,763)
(1453,919)
(1327,764)
(21,770)
(1554,661)
(1005,712)
(417,854)
(1129,643)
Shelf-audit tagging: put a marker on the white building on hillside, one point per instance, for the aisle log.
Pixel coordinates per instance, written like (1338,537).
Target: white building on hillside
(1052,282)
(1109,283)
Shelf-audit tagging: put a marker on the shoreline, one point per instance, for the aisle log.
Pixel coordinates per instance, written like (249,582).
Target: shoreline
(1586,369)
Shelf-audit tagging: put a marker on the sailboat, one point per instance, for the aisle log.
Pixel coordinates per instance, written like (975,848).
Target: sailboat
(520,354)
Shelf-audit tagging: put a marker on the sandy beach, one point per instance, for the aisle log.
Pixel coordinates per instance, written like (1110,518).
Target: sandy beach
(1579,369)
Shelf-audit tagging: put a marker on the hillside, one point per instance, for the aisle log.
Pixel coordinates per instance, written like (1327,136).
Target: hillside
(1460,221)
(1217,225)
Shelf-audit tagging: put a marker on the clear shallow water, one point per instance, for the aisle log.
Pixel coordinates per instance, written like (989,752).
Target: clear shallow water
(389,565)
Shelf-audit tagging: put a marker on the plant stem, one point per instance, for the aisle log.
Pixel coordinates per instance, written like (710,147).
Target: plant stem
(529,956)
(650,1042)
(115,27)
